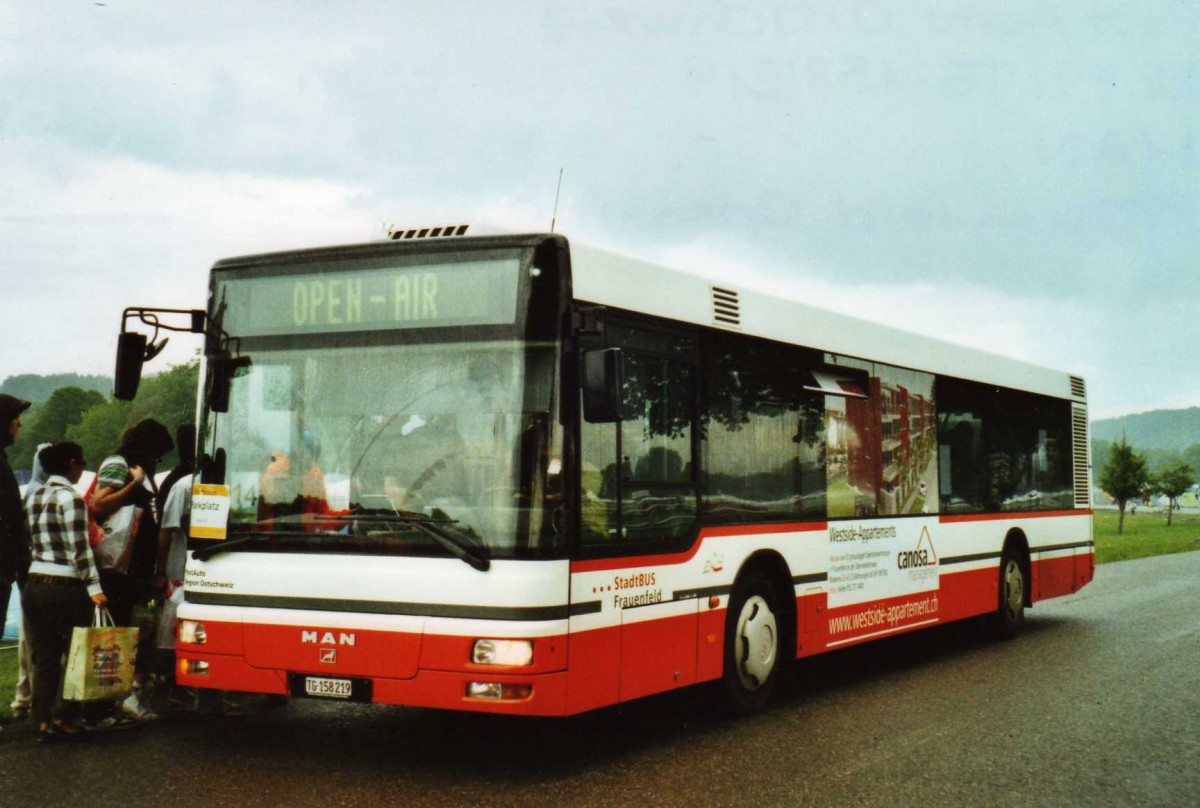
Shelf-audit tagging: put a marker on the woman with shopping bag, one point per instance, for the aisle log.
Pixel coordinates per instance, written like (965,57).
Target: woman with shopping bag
(63,587)
(123,506)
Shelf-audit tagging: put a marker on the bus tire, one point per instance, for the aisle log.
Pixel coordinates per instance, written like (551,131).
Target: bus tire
(752,645)
(1009,617)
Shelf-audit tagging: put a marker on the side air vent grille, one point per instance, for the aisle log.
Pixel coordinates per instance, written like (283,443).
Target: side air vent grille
(727,307)
(428,232)
(1079,453)
(1078,388)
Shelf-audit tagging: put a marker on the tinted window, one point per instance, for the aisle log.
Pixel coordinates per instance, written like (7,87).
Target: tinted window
(1002,450)
(638,475)
(763,444)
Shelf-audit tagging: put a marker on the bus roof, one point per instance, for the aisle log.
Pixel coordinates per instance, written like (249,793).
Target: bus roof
(610,279)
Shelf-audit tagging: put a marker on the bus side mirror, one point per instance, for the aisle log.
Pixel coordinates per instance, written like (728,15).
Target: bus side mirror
(603,380)
(131,353)
(134,349)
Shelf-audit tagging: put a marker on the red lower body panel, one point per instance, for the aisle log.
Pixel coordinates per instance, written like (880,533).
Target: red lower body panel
(607,665)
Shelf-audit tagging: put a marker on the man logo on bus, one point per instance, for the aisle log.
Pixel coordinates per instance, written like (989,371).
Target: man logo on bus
(328,656)
(328,638)
(923,556)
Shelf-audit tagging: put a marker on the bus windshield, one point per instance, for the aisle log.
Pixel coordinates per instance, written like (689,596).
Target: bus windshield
(401,449)
(388,401)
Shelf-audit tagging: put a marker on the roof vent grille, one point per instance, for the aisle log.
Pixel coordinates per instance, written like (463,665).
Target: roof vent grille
(1078,388)
(727,307)
(427,232)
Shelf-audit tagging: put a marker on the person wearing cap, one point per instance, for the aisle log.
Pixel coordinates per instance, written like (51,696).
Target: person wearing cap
(14,542)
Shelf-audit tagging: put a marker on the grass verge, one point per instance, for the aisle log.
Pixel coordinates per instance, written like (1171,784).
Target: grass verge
(1146,534)
(8,681)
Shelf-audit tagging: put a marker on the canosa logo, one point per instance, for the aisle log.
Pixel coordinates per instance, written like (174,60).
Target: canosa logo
(922,556)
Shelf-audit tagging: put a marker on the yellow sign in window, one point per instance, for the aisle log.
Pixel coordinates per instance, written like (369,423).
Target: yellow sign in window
(210,511)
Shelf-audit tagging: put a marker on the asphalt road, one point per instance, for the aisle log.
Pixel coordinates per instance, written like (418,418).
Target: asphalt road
(1097,703)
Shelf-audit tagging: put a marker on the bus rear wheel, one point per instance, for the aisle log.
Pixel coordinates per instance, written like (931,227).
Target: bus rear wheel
(752,646)
(1009,616)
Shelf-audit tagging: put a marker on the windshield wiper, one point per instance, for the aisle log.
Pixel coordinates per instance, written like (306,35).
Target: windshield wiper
(457,542)
(254,538)
(453,540)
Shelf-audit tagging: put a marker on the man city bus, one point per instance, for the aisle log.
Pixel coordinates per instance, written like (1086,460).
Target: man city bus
(520,475)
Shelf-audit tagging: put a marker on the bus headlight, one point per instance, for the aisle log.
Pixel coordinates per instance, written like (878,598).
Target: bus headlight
(192,632)
(496,691)
(502,652)
(195,667)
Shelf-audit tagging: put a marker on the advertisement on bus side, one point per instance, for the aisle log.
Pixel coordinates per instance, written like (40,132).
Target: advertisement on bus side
(881,559)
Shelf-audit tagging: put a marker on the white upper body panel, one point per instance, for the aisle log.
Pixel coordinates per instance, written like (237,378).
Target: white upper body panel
(617,281)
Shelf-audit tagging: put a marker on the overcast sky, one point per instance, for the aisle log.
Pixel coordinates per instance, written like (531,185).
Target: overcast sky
(1021,177)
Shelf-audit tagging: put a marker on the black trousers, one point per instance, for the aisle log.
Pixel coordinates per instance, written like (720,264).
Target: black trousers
(121,596)
(5,594)
(53,610)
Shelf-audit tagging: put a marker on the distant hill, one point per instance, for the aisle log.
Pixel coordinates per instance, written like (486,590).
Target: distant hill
(35,388)
(1158,429)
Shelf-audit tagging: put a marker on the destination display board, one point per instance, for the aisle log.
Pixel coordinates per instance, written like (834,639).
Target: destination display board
(376,298)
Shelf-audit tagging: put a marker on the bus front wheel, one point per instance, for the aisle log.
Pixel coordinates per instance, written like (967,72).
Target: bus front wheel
(1009,616)
(751,645)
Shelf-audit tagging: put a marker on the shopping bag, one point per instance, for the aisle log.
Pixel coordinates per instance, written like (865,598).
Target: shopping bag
(100,660)
(166,625)
(114,549)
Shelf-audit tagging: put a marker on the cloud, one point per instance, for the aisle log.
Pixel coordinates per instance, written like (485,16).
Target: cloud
(1030,162)
(91,235)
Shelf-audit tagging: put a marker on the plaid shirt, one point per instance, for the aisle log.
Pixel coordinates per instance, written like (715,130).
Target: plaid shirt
(58,524)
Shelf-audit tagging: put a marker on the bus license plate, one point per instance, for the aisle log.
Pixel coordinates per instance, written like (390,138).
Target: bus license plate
(324,688)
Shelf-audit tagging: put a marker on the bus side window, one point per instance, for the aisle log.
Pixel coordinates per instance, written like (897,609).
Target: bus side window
(962,451)
(658,497)
(598,481)
(762,433)
(638,474)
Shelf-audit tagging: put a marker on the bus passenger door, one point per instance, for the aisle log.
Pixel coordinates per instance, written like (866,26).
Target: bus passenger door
(638,503)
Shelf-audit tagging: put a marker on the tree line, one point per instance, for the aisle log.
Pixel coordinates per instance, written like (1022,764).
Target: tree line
(96,422)
(1158,429)
(37,388)
(1127,475)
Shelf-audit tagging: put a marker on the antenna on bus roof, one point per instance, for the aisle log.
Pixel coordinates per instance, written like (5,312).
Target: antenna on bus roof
(554,216)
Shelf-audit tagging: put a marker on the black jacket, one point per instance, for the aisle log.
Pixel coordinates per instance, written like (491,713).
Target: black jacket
(14,544)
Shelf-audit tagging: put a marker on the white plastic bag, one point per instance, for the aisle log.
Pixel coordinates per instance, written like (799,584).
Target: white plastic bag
(166,626)
(120,531)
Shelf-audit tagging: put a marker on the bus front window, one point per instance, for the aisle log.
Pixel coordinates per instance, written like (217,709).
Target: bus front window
(369,449)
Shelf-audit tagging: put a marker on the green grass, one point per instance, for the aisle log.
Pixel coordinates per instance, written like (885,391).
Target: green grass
(8,681)
(1146,534)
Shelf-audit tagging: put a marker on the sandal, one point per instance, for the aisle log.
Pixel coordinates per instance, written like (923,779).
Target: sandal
(56,734)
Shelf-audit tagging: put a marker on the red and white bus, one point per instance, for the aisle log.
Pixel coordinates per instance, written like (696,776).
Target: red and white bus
(519,475)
